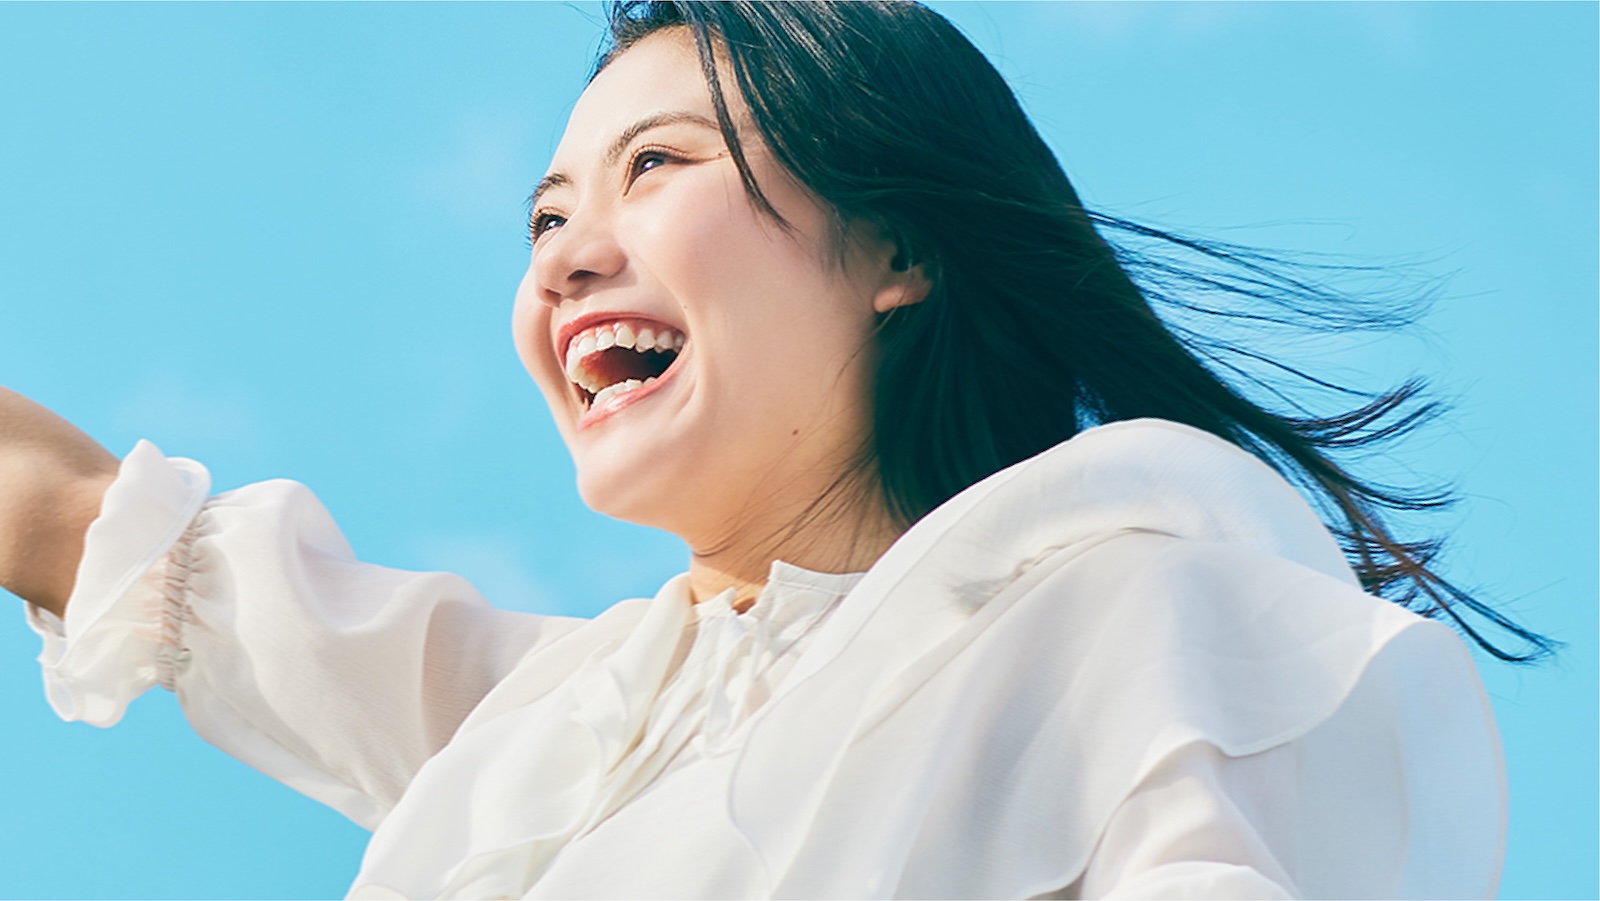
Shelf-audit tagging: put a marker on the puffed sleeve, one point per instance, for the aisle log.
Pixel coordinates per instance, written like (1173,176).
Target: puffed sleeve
(336,677)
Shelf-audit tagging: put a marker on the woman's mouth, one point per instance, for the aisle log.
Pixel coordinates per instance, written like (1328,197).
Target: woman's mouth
(614,363)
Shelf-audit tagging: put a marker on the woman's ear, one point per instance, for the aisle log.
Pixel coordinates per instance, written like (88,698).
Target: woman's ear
(905,283)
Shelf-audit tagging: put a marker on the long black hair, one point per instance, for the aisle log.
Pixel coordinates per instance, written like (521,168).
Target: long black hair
(1042,316)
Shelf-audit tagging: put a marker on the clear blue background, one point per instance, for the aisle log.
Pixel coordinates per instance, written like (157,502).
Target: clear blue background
(283,239)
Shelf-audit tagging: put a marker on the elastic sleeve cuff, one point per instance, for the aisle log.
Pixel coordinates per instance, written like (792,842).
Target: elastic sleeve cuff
(123,628)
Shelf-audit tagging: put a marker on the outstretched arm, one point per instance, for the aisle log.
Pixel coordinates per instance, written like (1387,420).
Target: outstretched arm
(337,677)
(52,478)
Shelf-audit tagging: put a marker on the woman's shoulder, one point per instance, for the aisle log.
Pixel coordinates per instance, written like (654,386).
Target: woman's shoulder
(1147,476)
(1139,590)
(1197,569)
(1162,476)
(1142,565)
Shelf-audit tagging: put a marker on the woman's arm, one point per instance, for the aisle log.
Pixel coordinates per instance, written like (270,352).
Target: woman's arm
(337,677)
(52,477)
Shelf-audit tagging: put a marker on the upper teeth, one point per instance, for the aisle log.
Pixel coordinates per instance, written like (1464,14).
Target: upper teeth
(644,338)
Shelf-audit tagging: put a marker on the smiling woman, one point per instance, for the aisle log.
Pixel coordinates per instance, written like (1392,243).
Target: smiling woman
(996,589)
(643,233)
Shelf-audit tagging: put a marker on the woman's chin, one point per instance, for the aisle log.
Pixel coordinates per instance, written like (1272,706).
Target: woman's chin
(639,490)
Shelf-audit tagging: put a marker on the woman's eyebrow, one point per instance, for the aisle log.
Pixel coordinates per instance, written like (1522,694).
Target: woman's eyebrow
(654,120)
(621,142)
(553,180)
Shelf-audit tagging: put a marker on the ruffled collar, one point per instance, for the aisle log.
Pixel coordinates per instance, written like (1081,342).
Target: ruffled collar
(792,594)
(727,665)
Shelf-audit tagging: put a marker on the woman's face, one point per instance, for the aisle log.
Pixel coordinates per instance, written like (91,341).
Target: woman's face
(708,369)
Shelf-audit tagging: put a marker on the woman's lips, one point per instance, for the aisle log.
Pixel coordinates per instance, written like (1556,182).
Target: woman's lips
(606,356)
(615,359)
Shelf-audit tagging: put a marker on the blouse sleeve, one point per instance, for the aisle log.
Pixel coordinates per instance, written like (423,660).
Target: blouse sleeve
(336,677)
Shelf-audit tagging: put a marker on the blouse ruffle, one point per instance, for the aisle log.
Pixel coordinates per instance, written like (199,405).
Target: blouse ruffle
(123,622)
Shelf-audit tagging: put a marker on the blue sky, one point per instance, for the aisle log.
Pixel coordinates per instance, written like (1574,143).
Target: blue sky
(283,240)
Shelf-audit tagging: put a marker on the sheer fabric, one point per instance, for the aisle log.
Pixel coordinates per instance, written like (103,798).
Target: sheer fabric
(1134,666)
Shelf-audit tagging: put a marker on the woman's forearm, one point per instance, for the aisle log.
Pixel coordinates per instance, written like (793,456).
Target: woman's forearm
(52,478)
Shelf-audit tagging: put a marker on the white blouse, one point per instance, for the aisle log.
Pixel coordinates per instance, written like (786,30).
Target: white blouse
(1134,666)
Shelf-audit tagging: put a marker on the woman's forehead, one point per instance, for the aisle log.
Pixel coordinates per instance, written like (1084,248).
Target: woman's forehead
(657,78)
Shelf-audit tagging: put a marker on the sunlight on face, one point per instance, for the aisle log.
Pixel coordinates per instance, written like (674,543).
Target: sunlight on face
(708,370)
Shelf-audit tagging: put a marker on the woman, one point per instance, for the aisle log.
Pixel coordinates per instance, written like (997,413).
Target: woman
(808,292)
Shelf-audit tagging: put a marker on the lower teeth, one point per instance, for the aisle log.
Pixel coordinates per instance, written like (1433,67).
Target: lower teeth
(622,387)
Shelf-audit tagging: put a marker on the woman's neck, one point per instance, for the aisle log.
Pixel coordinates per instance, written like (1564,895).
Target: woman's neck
(829,544)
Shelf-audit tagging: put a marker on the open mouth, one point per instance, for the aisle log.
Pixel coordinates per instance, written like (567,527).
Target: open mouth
(618,357)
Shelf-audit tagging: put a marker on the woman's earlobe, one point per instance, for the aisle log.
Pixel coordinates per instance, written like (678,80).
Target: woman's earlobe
(908,284)
(906,279)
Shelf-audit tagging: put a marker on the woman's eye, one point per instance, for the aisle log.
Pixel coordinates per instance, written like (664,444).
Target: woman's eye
(543,222)
(647,160)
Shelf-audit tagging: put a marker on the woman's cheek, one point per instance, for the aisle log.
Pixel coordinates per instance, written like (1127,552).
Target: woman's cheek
(696,228)
(531,333)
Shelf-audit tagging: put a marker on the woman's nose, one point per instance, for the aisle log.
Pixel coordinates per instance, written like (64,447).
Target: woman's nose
(575,257)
